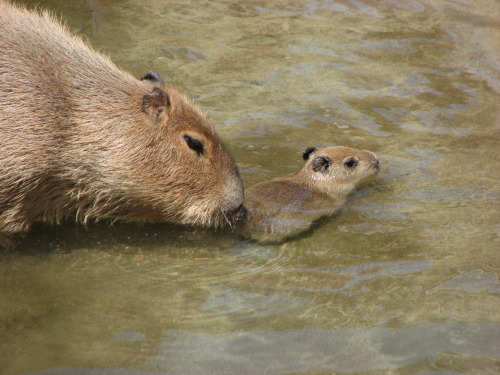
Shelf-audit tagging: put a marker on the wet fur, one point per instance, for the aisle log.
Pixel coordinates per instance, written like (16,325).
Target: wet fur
(286,206)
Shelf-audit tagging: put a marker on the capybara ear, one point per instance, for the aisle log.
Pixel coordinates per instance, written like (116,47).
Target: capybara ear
(321,164)
(308,152)
(153,77)
(155,103)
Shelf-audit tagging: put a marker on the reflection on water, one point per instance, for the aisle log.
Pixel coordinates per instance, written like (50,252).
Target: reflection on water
(345,350)
(404,280)
(473,282)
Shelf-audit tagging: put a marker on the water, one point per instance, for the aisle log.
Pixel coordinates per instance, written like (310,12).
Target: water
(404,280)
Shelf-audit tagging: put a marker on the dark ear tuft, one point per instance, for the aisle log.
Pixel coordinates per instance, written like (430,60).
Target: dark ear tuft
(155,103)
(153,77)
(308,152)
(321,164)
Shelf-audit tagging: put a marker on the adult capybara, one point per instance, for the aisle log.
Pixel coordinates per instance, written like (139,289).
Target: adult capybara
(78,135)
(286,206)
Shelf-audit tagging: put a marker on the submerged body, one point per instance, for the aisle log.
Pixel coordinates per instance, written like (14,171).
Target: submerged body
(286,206)
(78,135)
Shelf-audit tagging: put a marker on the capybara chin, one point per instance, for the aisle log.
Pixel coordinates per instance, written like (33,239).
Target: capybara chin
(80,136)
(287,206)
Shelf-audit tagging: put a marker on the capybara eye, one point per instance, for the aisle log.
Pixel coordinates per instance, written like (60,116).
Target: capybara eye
(194,144)
(351,162)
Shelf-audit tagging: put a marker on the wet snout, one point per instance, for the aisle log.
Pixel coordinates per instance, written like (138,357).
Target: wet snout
(232,206)
(240,214)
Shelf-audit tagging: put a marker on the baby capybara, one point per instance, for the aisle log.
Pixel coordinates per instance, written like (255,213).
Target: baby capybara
(287,206)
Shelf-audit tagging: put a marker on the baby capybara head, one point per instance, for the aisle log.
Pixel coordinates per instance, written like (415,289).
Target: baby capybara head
(338,169)
(186,174)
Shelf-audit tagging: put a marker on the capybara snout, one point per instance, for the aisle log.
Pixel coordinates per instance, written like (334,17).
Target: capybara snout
(78,135)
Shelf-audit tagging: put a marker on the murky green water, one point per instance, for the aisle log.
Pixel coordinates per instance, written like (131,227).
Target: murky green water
(405,280)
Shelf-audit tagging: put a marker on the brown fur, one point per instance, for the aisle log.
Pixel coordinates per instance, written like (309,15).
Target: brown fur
(78,135)
(287,206)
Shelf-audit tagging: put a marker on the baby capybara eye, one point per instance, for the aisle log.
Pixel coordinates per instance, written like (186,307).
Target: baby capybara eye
(351,162)
(194,144)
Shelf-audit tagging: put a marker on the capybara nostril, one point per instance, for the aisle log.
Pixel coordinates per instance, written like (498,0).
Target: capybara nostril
(240,214)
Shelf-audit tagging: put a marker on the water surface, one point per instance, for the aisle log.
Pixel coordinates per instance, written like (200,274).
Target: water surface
(405,280)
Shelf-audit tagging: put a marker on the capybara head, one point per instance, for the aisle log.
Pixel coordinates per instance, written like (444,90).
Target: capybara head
(194,178)
(338,169)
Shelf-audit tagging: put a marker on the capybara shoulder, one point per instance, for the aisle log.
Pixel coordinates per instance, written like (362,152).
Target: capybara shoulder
(286,206)
(79,135)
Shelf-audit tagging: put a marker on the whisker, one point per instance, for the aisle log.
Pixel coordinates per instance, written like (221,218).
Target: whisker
(227,220)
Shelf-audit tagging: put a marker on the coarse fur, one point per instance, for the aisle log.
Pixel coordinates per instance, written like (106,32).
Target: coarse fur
(286,206)
(79,135)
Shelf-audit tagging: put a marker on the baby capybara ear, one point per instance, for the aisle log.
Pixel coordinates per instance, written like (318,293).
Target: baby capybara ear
(321,164)
(155,104)
(308,152)
(154,78)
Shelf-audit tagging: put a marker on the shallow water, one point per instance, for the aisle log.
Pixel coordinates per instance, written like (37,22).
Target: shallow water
(405,280)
